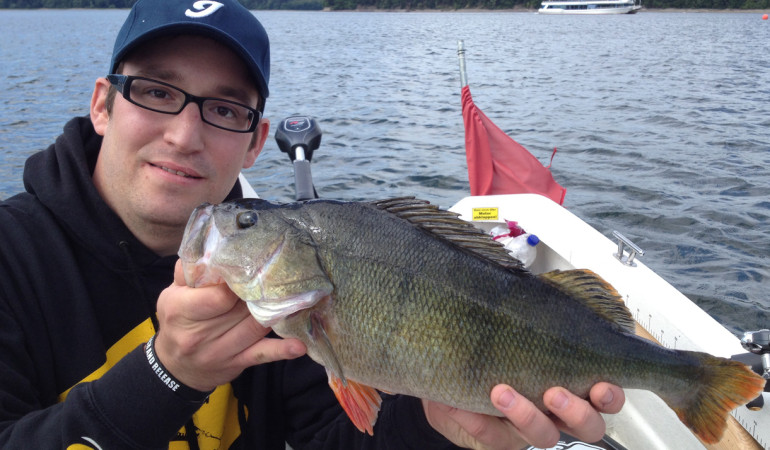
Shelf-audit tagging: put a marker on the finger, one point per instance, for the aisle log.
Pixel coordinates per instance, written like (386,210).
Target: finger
(483,430)
(533,425)
(578,416)
(179,274)
(210,302)
(232,333)
(472,430)
(607,398)
(246,341)
(238,335)
(192,316)
(197,275)
(270,350)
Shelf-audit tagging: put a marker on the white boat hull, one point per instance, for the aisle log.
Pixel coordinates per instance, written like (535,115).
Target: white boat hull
(624,10)
(588,7)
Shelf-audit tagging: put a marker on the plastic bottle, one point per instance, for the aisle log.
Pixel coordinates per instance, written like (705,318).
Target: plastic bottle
(523,248)
(504,233)
(499,231)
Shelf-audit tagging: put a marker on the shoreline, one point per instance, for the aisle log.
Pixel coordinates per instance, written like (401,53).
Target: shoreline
(534,10)
(517,9)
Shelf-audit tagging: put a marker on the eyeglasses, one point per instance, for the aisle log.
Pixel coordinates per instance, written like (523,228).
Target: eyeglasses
(167,99)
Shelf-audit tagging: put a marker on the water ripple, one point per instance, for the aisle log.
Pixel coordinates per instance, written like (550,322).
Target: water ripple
(661,135)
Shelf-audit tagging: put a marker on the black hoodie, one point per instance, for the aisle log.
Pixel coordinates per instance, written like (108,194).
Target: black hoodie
(77,304)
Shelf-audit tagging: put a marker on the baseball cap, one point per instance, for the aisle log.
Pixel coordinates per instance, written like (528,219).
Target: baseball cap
(226,21)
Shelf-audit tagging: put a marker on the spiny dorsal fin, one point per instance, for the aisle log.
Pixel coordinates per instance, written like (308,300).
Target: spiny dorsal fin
(448,226)
(594,292)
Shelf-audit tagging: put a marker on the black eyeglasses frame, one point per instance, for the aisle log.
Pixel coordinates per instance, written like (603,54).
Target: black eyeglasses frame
(122,82)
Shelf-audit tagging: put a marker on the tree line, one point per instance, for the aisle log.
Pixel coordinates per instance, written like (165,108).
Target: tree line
(389,4)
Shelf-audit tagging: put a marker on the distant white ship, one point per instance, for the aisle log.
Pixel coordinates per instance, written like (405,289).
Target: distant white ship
(589,6)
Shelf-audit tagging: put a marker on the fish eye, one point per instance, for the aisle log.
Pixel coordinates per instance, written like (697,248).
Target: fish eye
(247,219)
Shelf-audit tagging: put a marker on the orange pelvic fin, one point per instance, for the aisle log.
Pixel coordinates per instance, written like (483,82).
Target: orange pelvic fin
(360,402)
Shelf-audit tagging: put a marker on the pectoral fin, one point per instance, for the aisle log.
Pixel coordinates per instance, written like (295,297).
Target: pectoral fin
(360,402)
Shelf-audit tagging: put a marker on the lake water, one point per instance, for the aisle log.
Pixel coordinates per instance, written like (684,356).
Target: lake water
(662,120)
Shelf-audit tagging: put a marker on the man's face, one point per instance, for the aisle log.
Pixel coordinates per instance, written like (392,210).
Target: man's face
(154,169)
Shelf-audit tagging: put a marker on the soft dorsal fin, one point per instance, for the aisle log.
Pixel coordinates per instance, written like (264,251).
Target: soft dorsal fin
(594,292)
(447,225)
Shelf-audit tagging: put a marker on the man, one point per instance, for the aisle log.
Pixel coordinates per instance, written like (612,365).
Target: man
(98,351)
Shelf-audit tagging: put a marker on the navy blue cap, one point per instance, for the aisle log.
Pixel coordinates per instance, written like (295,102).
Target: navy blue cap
(226,21)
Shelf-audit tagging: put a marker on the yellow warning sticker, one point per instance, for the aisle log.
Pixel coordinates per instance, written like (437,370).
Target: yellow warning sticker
(485,214)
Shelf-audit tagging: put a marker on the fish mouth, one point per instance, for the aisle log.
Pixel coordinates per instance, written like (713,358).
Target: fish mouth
(195,253)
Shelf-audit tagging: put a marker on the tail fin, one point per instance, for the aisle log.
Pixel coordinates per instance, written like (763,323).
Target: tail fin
(724,385)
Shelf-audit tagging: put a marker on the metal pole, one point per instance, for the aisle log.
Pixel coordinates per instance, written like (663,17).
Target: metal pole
(461,57)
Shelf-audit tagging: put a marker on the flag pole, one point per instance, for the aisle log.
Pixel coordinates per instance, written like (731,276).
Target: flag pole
(496,163)
(461,57)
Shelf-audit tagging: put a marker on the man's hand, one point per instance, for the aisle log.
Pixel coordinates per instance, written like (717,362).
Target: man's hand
(207,336)
(524,424)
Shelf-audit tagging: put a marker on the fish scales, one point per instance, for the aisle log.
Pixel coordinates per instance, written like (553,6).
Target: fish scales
(407,299)
(461,342)
(478,338)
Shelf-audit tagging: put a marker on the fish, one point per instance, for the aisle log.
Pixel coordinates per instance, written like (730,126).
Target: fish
(401,297)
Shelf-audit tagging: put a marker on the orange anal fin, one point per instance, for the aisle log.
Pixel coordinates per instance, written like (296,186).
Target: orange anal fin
(360,402)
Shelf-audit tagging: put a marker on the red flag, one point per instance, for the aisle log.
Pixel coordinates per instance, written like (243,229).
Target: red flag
(499,165)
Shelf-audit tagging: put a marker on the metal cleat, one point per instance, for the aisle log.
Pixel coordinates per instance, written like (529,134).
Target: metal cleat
(633,250)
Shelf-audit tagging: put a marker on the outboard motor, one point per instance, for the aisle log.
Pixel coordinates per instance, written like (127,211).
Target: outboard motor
(299,136)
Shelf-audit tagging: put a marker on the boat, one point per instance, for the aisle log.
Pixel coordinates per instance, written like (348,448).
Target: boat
(662,313)
(589,7)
